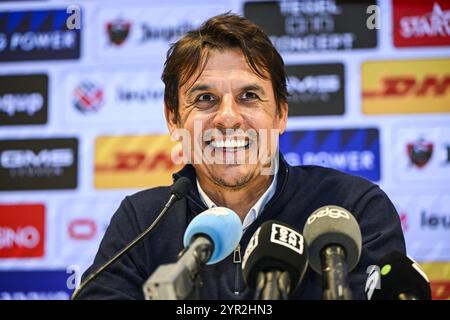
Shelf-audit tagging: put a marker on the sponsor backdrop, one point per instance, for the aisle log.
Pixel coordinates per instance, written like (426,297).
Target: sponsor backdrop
(82,124)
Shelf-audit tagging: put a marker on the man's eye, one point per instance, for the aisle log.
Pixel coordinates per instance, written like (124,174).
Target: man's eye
(249,96)
(206,97)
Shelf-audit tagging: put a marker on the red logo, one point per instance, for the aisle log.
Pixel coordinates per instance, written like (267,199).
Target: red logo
(118,31)
(22,230)
(404,221)
(440,289)
(137,160)
(403,86)
(421,23)
(419,152)
(82,229)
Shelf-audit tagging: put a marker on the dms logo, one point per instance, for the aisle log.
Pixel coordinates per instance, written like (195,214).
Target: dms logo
(35,285)
(88,97)
(419,152)
(316,89)
(38,164)
(118,31)
(354,151)
(37,35)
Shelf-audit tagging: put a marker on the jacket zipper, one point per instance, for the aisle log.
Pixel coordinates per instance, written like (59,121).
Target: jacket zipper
(237,261)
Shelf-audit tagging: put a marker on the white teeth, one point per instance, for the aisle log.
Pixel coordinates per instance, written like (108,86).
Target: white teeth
(229,143)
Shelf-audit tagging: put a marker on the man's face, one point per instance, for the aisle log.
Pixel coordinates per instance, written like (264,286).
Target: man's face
(230,103)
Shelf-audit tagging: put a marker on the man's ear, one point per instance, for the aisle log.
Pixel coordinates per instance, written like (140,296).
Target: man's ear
(171,119)
(282,117)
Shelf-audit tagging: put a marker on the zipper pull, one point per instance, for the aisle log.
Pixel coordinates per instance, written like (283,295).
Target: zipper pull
(237,254)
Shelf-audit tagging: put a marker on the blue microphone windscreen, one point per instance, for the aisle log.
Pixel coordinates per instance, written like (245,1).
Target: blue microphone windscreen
(222,225)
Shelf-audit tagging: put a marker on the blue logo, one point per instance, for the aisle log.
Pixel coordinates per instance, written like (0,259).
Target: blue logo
(354,151)
(38,35)
(35,285)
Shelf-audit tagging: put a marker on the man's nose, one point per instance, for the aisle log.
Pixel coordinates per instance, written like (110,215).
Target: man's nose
(228,115)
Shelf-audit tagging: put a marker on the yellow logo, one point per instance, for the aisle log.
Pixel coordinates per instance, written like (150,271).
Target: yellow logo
(409,86)
(439,275)
(134,161)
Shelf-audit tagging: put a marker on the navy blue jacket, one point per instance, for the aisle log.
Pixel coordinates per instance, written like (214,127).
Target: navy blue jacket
(300,191)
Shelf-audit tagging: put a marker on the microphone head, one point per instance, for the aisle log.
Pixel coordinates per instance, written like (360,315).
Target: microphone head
(275,246)
(181,187)
(396,274)
(332,225)
(223,227)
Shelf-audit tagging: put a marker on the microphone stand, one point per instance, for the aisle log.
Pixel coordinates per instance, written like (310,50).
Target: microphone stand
(334,274)
(173,198)
(272,285)
(179,280)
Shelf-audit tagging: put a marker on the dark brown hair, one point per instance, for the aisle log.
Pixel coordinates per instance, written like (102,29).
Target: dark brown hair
(225,31)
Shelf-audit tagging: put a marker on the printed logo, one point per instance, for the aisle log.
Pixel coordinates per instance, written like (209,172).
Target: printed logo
(22,230)
(252,244)
(354,151)
(406,86)
(147,32)
(299,26)
(434,221)
(421,23)
(373,280)
(316,89)
(103,98)
(439,275)
(34,285)
(134,161)
(82,229)
(23,99)
(88,97)
(404,221)
(38,35)
(420,152)
(425,219)
(118,31)
(82,223)
(38,164)
(330,212)
(287,237)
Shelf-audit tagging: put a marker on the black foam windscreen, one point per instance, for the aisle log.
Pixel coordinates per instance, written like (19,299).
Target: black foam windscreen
(181,187)
(397,274)
(275,246)
(332,225)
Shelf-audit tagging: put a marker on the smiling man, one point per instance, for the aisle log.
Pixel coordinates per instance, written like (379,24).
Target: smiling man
(234,108)
(226,101)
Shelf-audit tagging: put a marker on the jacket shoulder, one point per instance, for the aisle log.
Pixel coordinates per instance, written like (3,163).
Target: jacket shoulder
(150,197)
(332,178)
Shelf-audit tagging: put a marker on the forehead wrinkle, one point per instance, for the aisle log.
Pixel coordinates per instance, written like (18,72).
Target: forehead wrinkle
(219,74)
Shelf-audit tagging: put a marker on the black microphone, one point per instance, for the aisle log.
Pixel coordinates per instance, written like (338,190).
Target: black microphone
(178,191)
(397,277)
(334,242)
(275,261)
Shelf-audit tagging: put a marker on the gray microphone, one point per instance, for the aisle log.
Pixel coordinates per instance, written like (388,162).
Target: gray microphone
(334,242)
